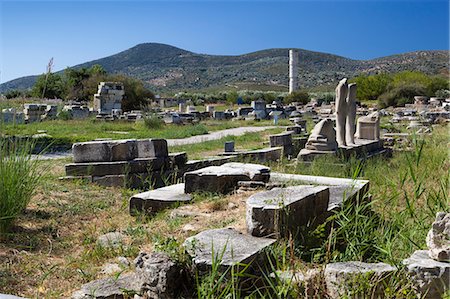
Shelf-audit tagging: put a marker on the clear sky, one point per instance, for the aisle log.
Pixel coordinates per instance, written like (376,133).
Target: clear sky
(74,32)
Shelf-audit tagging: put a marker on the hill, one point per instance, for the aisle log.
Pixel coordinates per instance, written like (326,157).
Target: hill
(166,68)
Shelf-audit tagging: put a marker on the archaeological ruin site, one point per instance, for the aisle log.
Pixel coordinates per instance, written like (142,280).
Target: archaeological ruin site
(160,173)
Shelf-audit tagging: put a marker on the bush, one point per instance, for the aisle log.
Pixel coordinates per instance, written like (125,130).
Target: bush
(401,95)
(65,115)
(297,96)
(19,177)
(153,122)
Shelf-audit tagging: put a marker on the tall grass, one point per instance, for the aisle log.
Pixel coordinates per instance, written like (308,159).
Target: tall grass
(19,177)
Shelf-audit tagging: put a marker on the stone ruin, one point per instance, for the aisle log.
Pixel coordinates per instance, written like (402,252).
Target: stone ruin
(108,100)
(11,115)
(39,112)
(345,139)
(270,214)
(77,110)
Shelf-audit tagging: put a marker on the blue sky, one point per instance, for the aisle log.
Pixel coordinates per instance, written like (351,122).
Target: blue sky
(74,32)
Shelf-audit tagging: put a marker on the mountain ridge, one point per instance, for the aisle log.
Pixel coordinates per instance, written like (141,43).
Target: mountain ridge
(166,68)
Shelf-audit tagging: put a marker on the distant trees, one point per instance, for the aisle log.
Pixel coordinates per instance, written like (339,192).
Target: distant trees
(50,86)
(398,89)
(81,84)
(297,96)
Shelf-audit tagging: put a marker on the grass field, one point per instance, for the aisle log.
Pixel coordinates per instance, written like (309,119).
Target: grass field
(52,250)
(71,131)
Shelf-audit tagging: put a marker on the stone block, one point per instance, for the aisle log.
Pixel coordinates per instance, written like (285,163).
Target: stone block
(438,238)
(148,148)
(161,276)
(123,150)
(224,179)
(283,140)
(178,159)
(143,165)
(356,279)
(93,151)
(110,287)
(340,189)
(232,246)
(156,200)
(280,211)
(431,278)
(97,168)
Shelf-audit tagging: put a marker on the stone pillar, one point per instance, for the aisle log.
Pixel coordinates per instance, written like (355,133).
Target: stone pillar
(293,70)
(341,111)
(351,115)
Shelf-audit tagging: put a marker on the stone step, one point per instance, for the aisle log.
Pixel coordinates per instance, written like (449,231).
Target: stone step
(139,165)
(118,150)
(280,211)
(340,189)
(224,179)
(356,279)
(227,247)
(156,200)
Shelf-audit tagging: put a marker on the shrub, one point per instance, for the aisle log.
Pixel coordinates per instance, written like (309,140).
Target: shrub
(401,95)
(19,177)
(297,96)
(153,122)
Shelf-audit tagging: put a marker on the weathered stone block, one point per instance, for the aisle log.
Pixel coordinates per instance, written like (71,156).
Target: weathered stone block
(156,200)
(233,246)
(160,275)
(92,151)
(280,211)
(283,140)
(96,168)
(178,159)
(431,278)
(438,238)
(224,179)
(123,150)
(109,288)
(352,278)
(143,165)
(148,148)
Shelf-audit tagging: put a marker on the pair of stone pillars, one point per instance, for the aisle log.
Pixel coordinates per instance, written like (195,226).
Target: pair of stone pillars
(345,113)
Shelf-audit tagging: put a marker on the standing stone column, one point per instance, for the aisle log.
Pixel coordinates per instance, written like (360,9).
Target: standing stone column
(293,70)
(341,111)
(351,115)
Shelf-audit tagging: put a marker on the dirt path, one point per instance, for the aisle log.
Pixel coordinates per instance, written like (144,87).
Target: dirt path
(216,135)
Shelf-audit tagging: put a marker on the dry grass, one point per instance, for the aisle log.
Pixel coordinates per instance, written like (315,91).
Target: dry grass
(53,249)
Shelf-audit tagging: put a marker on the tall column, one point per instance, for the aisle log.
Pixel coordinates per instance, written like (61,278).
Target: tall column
(293,70)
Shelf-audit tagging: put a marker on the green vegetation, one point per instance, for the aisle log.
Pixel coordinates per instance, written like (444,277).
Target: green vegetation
(81,84)
(19,177)
(399,89)
(297,96)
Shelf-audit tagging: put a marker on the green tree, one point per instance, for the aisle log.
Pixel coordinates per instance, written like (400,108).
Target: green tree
(136,94)
(49,86)
(82,83)
(371,87)
(297,96)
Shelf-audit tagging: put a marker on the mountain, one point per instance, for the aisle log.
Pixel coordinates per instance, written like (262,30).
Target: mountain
(167,68)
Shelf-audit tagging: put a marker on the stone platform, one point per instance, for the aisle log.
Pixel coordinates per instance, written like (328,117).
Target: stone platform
(340,189)
(156,200)
(362,148)
(225,178)
(281,211)
(227,247)
(261,155)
